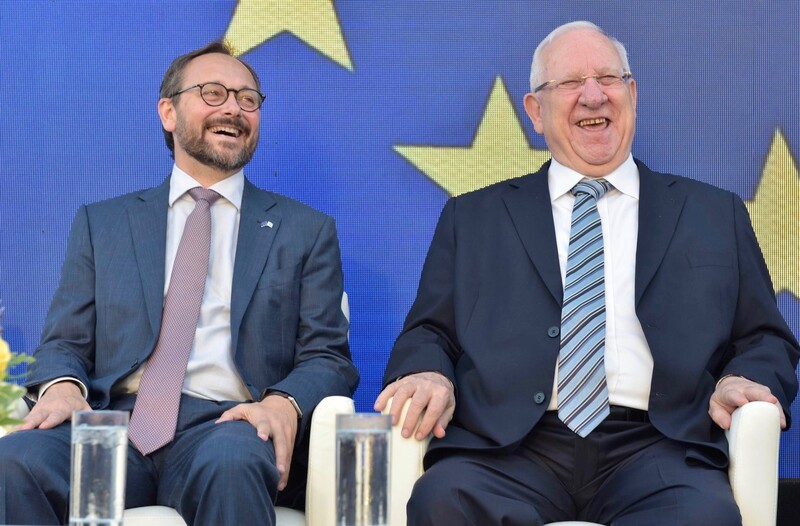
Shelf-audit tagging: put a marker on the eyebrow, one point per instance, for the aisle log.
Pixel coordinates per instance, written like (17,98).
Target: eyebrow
(226,84)
(598,71)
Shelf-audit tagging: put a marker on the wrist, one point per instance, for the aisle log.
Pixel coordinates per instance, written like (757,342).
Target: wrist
(719,382)
(288,397)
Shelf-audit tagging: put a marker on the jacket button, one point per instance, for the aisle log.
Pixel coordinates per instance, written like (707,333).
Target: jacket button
(539,397)
(553,331)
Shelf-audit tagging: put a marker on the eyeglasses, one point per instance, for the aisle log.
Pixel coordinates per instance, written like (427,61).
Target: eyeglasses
(215,94)
(606,81)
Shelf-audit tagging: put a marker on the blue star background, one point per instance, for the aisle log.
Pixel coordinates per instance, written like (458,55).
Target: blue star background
(79,85)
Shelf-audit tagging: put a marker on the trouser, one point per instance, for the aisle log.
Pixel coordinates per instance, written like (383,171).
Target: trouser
(211,473)
(622,474)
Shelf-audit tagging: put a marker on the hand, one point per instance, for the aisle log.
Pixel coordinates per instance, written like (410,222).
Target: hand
(432,399)
(733,392)
(274,417)
(56,406)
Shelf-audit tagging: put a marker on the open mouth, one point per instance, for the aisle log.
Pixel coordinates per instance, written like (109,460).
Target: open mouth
(599,122)
(227,131)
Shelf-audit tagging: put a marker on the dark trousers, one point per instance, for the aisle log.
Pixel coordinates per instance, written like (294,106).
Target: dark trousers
(212,474)
(622,474)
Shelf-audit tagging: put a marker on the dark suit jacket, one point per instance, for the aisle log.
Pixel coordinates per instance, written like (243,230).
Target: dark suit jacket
(287,325)
(488,310)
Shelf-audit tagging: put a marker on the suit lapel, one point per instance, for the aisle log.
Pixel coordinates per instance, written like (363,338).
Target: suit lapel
(660,203)
(259,224)
(532,214)
(148,222)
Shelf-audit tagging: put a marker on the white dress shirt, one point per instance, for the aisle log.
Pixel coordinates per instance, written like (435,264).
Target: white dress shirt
(628,361)
(210,373)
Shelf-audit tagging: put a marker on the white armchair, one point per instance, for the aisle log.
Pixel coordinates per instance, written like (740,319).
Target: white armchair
(754,439)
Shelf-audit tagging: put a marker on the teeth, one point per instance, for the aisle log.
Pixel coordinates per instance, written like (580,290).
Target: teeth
(589,122)
(233,132)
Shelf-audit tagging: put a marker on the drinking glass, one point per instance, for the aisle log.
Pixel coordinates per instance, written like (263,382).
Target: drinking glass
(362,469)
(99,459)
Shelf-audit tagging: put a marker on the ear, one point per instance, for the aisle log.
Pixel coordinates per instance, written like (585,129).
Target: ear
(534,110)
(167,114)
(632,87)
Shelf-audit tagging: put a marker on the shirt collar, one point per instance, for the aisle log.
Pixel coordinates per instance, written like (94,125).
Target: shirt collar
(231,188)
(561,179)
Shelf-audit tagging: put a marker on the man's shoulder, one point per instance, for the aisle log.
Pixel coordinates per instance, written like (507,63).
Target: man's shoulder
(287,205)
(494,191)
(687,184)
(120,203)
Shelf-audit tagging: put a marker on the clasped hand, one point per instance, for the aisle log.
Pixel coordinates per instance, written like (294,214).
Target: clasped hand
(274,417)
(432,404)
(55,406)
(734,392)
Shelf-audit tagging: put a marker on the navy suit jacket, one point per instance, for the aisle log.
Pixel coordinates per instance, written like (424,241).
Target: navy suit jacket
(287,326)
(488,309)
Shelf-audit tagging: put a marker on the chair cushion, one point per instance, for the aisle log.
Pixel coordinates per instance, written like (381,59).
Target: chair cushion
(150,515)
(164,516)
(288,517)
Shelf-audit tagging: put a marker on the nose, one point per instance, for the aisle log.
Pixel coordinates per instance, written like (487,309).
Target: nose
(231,106)
(592,93)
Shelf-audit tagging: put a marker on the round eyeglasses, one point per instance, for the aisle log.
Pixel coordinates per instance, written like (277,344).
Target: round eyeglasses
(567,85)
(215,94)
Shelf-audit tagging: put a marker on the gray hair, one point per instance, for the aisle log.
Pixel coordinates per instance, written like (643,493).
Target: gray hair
(537,69)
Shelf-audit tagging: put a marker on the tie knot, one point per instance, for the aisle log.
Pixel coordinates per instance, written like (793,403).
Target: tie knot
(593,187)
(204,194)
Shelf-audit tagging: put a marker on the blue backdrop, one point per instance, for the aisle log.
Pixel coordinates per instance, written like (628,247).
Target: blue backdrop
(375,112)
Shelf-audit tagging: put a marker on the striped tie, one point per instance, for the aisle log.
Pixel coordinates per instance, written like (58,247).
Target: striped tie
(582,390)
(155,413)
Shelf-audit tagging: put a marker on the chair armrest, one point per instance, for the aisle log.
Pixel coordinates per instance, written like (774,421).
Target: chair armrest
(405,467)
(321,484)
(753,443)
(19,411)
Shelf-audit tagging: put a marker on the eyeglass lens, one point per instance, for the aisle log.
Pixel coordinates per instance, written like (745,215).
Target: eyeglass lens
(216,94)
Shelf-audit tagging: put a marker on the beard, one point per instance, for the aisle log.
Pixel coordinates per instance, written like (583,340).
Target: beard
(227,157)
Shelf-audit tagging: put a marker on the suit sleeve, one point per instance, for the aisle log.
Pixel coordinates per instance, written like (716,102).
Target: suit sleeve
(762,348)
(68,339)
(322,364)
(428,341)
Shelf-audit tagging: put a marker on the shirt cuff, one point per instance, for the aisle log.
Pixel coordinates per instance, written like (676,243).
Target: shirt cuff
(45,386)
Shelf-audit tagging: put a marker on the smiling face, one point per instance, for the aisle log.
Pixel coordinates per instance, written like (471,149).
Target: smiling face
(211,142)
(590,129)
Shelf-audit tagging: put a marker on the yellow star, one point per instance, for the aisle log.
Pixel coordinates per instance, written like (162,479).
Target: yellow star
(312,21)
(775,212)
(500,151)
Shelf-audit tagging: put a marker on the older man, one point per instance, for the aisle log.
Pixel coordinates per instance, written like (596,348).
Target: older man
(209,308)
(582,334)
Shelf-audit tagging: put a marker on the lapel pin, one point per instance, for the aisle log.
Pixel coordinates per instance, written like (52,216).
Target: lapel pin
(267,224)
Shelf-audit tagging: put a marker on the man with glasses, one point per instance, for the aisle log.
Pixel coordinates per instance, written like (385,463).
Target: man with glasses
(207,307)
(581,335)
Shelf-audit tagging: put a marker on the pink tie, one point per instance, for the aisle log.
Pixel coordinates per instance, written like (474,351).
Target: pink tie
(155,414)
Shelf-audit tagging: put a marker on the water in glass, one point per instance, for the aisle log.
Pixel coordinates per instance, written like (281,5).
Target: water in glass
(362,493)
(99,457)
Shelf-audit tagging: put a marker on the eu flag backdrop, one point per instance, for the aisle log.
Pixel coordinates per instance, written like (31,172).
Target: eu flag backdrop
(376,111)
